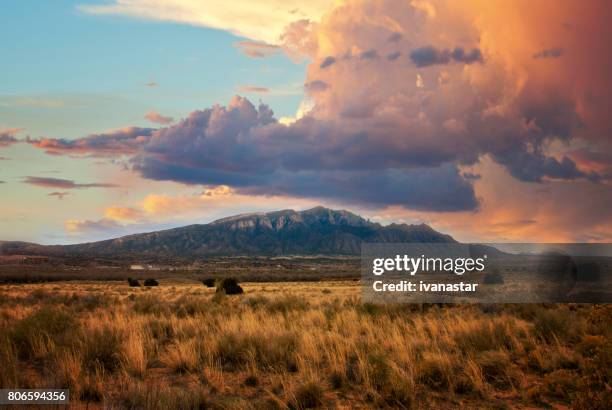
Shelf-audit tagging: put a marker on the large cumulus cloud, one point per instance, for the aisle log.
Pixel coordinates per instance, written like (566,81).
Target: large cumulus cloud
(403,95)
(245,147)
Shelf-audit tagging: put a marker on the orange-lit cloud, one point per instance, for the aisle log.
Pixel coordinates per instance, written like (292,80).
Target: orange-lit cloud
(257,49)
(122,214)
(45,182)
(263,20)
(7,136)
(157,118)
(253,89)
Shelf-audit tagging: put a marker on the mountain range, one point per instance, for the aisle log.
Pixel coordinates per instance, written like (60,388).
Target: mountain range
(316,231)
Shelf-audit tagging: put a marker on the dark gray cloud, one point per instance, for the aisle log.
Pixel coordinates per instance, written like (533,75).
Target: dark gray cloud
(554,52)
(59,195)
(393,56)
(429,55)
(63,183)
(123,141)
(376,163)
(7,138)
(394,37)
(329,60)
(316,86)
(533,167)
(369,55)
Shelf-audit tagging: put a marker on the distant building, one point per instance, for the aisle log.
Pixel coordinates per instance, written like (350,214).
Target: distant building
(137,267)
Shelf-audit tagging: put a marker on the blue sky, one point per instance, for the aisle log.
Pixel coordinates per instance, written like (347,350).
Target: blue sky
(61,61)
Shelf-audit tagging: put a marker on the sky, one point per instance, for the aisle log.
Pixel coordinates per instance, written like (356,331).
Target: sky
(487,120)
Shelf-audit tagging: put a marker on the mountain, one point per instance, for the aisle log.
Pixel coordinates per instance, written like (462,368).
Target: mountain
(316,231)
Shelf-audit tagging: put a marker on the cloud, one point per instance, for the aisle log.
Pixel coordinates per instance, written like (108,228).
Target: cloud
(122,214)
(59,195)
(88,226)
(245,147)
(262,21)
(7,136)
(429,55)
(327,61)
(257,49)
(63,183)
(158,118)
(253,89)
(123,141)
(395,37)
(394,55)
(316,86)
(369,55)
(554,52)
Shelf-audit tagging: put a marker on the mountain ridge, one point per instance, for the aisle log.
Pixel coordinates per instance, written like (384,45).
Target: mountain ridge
(313,231)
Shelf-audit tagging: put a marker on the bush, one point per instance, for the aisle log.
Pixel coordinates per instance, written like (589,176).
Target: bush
(230,286)
(308,396)
(33,335)
(209,282)
(496,369)
(151,282)
(102,350)
(133,282)
(560,384)
(493,278)
(269,352)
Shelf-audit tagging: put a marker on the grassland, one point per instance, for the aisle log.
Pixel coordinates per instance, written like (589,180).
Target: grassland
(297,345)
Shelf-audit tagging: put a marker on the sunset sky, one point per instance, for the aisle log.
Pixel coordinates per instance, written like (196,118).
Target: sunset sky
(488,120)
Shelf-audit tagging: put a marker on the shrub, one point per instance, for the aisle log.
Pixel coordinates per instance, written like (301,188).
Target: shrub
(496,369)
(34,335)
(560,384)
(183,356)
(493,278)
(151,282)
(435,371)
(102,350)
(149,305)
(287,304)
(229,286)
(251,380)
(268,352)
(190,306)
(133,282)
(209,282)
(308,396)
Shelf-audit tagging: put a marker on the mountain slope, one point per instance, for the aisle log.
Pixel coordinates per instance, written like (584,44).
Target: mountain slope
(317,231)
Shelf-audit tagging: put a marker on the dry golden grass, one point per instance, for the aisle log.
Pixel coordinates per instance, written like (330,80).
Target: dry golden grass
(297,345)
